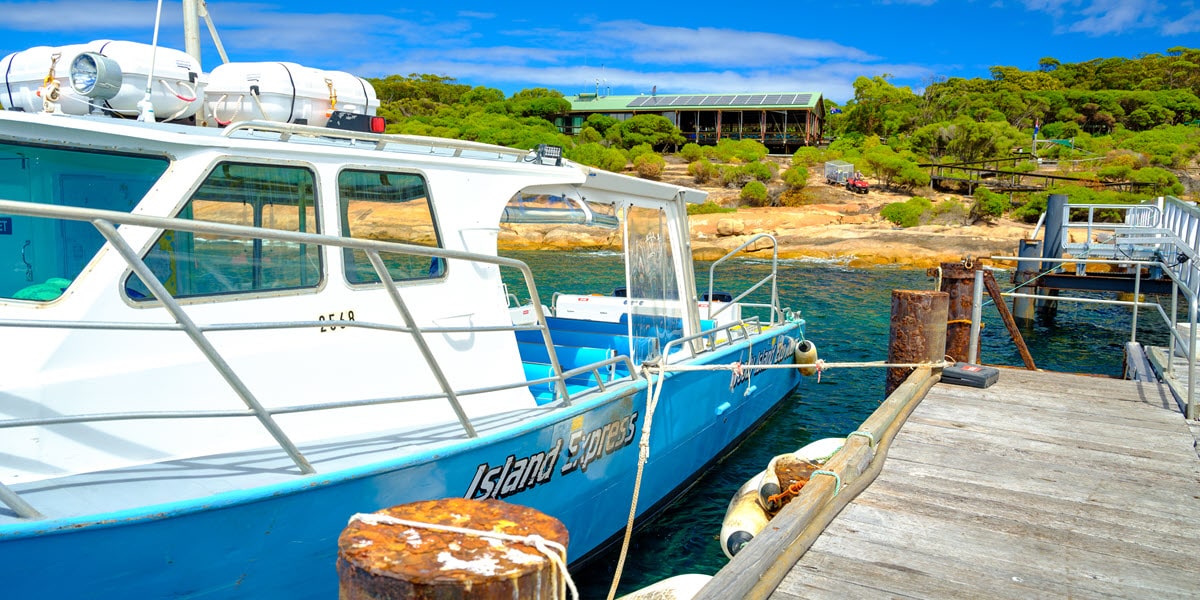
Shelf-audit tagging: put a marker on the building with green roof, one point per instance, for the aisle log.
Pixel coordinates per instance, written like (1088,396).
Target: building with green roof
(782,121)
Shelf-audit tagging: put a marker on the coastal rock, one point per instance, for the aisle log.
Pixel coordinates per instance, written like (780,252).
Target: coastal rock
(728,227)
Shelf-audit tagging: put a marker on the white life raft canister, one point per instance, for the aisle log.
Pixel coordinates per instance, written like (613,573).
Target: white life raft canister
(176,89)
(284,92)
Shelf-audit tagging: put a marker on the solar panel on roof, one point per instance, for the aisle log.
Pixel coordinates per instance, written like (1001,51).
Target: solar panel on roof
(640,100)
(710,100)
(738,100)
(726,100)
(803,99)
(773,99)
(756,100)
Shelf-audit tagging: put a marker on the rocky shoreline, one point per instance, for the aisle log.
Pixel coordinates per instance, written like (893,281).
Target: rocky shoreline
(858,241)
(844,227)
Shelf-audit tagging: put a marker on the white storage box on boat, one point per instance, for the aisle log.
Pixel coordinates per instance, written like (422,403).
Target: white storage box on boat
(287,92)
(176,92)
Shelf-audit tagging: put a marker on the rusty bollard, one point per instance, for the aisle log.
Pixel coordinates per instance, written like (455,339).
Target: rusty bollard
(918,332)
(958,281)
(382,558)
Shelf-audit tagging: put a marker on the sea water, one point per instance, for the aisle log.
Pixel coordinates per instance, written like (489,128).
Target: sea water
(847,311)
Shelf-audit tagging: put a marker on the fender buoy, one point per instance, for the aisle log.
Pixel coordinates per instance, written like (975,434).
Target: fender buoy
(744,518)
(748,514)
(806,354)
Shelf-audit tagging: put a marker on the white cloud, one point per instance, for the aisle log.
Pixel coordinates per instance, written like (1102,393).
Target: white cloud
(1190,23)
(651,44)
(82,15)
(1099,17)
(1104,17)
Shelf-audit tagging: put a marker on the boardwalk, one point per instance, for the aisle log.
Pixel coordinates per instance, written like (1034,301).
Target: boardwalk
(1045,485)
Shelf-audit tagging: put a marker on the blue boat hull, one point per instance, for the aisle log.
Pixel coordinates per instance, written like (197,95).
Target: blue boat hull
(577,465)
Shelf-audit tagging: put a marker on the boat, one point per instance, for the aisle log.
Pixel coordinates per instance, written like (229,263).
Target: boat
(225,337)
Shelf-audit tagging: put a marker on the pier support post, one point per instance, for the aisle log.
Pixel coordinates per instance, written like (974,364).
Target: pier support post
(381,556)
(918,331)
(958,281)
(1056,218)
(1027,270)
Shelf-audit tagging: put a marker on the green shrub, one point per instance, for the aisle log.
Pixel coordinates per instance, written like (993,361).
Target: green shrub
(988,205)
(796,177)
(755,193)
(691,152)
(1031,210)
(807,155)
(639,150)
(1165,182)
(743,150)
(649,166)
(907,213)
(596,155)
(709,207)
(759,171)
(702,171)
(733,176)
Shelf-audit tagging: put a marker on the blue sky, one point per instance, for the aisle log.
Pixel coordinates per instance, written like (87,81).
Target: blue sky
(673,47)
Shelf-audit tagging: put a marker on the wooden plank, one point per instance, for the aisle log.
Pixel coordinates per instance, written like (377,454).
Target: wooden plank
(1086,456)
(1044,517)
(1047,476)
(1096,402)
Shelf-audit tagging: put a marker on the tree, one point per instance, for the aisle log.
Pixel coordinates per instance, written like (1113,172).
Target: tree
(882,109)
(656,130)
(596,155)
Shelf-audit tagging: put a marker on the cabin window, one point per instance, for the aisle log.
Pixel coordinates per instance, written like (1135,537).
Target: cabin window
(39,257)
(391,207)
(206,264)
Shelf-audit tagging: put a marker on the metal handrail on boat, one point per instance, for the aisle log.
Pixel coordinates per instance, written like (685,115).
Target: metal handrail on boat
(380,141)
(776,313)
(104,221)
(740,330)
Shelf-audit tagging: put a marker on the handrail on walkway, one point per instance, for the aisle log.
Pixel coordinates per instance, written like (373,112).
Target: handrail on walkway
(1163,237)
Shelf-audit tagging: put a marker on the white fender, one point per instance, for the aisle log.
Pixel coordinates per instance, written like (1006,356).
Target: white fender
(679,587)
(806,354)
(744,518)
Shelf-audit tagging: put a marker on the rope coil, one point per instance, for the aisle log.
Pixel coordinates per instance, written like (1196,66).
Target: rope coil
(555,552)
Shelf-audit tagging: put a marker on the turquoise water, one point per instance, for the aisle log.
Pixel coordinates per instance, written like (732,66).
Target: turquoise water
(847,311)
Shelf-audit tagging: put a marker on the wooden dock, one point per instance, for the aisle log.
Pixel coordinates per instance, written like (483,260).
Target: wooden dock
(1045,485)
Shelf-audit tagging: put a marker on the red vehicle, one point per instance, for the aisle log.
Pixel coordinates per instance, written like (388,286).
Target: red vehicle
(840,172)
(857,183)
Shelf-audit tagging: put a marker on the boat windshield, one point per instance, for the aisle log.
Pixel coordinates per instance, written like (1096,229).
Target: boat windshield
(40,257)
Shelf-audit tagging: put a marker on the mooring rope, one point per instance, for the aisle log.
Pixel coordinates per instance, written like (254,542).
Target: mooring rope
(554,551)
(643,456)
(819,364)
